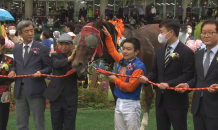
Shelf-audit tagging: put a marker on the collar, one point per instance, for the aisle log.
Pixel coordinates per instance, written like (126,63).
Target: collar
(174,45)
(214,49)
(30,44)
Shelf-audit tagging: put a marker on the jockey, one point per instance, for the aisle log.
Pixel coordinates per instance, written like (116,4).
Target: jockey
(128,108)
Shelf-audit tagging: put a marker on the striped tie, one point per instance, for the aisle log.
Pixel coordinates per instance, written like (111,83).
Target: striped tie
(167,56)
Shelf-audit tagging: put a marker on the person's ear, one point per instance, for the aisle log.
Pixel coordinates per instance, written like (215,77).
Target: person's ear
(136,52)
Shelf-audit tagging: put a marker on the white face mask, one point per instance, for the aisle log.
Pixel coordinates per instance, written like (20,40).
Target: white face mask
(12,32)
(189,30)
(162,39)
(41,37)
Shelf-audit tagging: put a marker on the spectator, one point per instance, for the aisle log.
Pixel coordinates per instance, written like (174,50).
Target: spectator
(188,10)
(80,13)
(149,15)
(115,18)
(204,13)
(209,12)
(14,14)
(107,12)
(188,19)
(143,20)
(111,14)
(57,22)
(169,16)
(183,35)
(180,10)
(90,14)
(141,12)
(217,17)
(197,12)
(47,42)
(134,13)
(45,23)
(70,13)
(189,31)
(120,12)
(132,22)
(126,13)
(153,12)
(97,13)
(69,27)
(84,13)
(12,35)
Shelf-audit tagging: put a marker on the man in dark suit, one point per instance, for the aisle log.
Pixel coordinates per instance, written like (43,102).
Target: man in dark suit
(173,64)
(62,92)
(30,57)
(205,103)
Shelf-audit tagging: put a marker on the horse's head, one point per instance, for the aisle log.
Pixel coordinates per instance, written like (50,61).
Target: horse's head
(90,42)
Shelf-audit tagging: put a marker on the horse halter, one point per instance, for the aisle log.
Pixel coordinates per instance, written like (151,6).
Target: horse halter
(87,29)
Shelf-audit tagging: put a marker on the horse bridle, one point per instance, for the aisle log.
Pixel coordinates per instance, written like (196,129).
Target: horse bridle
(89,28)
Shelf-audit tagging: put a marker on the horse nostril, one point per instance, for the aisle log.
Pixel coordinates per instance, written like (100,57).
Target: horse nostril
(80,64)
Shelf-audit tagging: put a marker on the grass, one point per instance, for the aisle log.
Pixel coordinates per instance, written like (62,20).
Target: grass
(91,120)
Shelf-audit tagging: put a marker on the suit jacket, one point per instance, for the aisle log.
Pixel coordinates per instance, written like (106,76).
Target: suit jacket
(177,71)
(68,84)
(33,87)
(210,100)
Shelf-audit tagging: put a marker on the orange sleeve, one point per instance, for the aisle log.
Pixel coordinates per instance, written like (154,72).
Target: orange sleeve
(3,31)
(112,50)
(132,84)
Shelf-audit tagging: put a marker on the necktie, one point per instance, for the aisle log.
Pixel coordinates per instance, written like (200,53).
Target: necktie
(167,56)
(207,62)
(206,65)
(25,54)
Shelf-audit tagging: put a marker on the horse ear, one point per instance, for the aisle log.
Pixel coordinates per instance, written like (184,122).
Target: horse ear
(99,22)
(83,21)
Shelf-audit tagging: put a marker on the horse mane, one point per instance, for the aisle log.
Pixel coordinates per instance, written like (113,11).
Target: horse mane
(128,26)
(111,29)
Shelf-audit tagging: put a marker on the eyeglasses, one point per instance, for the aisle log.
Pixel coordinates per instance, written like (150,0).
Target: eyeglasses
(207,33)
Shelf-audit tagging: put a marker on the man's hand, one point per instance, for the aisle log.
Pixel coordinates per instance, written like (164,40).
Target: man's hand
(163,86)
(212,90)
(111,78)
(182,85)
(37,74)
(70,58)
(12,75)
(143,79)
(105,31)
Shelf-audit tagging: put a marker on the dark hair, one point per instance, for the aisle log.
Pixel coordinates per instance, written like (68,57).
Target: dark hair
(211,21)
(189,24)
(46,34)
(11,25)
(134,41)
(171,24)
(2,40)
(71,26)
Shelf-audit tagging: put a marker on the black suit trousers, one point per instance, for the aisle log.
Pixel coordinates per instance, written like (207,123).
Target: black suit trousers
(4,114)
(166,116)
(202,122)
(63,116)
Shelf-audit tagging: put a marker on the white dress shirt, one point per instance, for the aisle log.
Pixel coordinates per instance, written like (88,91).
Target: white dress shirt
(153,10)
(174,45)
(30,44)
(212,54)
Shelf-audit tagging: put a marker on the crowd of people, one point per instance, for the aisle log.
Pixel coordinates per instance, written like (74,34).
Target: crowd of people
(185,70)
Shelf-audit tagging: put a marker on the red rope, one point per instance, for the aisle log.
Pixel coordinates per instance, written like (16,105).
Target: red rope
(171,88)
(56,76)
